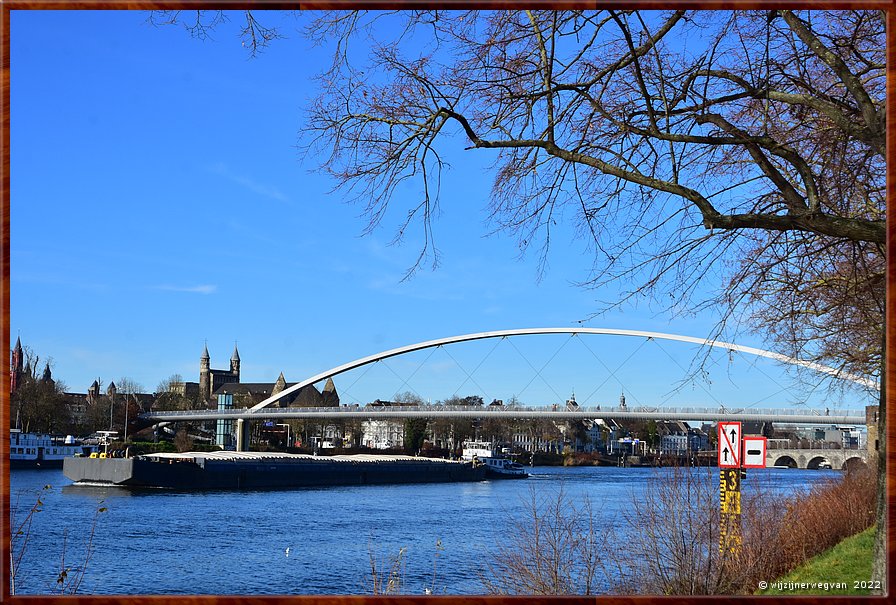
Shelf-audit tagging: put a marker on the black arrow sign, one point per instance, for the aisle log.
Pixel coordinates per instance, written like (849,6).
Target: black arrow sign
(725,451)
(733,436)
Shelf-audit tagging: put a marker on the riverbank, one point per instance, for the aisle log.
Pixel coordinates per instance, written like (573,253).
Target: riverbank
(844,569)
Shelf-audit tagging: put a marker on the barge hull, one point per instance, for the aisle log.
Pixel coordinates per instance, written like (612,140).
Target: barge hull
(205,473)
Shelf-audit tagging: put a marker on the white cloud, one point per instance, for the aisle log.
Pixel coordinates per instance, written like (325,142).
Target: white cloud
(250,184)
(200,289)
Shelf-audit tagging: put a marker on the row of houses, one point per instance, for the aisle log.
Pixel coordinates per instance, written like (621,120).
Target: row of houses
(599,436)
(605,436)
(667,437)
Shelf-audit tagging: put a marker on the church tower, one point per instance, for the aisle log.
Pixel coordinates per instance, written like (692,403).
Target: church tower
(93,393)
(16,366)
(280,385)
(329,396)
(47,375)
(205,383)
(235,363)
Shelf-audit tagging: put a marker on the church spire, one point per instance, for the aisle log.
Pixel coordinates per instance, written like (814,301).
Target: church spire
(235,362)
(280,385)
(17,367)
(329,396)
(205,383)
(48,374)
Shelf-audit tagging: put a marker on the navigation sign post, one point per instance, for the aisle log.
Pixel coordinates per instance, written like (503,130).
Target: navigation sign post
(754,452)
(729,444)
(729,498)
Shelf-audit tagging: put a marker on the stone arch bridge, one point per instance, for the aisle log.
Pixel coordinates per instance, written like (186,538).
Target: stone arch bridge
(815,458)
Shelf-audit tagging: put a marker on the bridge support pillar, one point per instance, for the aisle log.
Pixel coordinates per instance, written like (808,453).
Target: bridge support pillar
(871,421)
(243,431)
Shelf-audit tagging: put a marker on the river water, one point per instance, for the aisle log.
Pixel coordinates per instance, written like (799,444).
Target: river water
(163,542)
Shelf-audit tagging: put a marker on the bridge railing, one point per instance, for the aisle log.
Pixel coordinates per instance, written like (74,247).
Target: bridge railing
(374,410)
(812,445)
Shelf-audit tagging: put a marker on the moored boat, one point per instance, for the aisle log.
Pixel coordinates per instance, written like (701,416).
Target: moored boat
(40,450)
(250,470)
(496,466)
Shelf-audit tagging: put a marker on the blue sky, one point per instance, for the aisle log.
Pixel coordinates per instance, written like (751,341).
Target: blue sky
(158,200)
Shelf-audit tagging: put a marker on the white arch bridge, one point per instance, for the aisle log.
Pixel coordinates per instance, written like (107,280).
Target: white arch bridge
(264,411)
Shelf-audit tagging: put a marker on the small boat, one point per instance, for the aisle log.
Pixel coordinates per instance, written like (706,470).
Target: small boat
(40,450)
(496,466)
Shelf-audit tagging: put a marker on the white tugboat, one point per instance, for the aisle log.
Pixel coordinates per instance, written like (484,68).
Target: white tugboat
(496,467)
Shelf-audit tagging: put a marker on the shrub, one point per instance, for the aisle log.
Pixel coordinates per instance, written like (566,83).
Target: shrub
(554,550)
(674,532)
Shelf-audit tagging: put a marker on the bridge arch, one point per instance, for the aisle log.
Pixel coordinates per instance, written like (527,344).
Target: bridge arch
(572,331)
(785,461)
(853,463)
(817,461)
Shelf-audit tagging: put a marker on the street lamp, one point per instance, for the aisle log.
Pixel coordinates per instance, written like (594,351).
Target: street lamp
(126,415)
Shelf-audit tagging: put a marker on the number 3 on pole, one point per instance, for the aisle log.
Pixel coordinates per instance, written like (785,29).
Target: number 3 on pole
(729,445)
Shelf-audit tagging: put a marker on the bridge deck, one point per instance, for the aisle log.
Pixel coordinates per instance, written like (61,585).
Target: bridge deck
(851,417)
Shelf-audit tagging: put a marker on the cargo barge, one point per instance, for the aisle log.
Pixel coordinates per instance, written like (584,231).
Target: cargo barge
(251,470)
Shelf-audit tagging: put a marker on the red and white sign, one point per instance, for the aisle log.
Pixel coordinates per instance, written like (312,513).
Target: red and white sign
(754,452)
(729,445)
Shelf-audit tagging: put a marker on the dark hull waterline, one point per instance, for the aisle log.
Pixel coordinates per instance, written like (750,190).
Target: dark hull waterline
(198,471)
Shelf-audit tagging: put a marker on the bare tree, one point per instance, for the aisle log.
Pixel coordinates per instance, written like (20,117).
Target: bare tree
(674,544)
(182,441)
(554,549)
(38,403)
(126,411)
(753,154)
(201,24)
(415,429)
(173,394)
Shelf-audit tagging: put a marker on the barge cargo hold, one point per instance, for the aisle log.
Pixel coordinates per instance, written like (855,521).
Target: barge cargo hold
(250,470)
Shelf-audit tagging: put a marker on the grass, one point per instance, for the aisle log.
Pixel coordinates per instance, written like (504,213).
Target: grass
(843,569)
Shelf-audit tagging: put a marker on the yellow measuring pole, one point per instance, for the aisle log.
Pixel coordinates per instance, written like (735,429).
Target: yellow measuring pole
(730,540)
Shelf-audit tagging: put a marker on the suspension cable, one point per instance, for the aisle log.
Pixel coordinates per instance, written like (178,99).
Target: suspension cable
(347,390)
(383,361)
(469,376)
(783,388)
(417,369)
(479,365)
(538,372)
(681,367)
(613,372)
